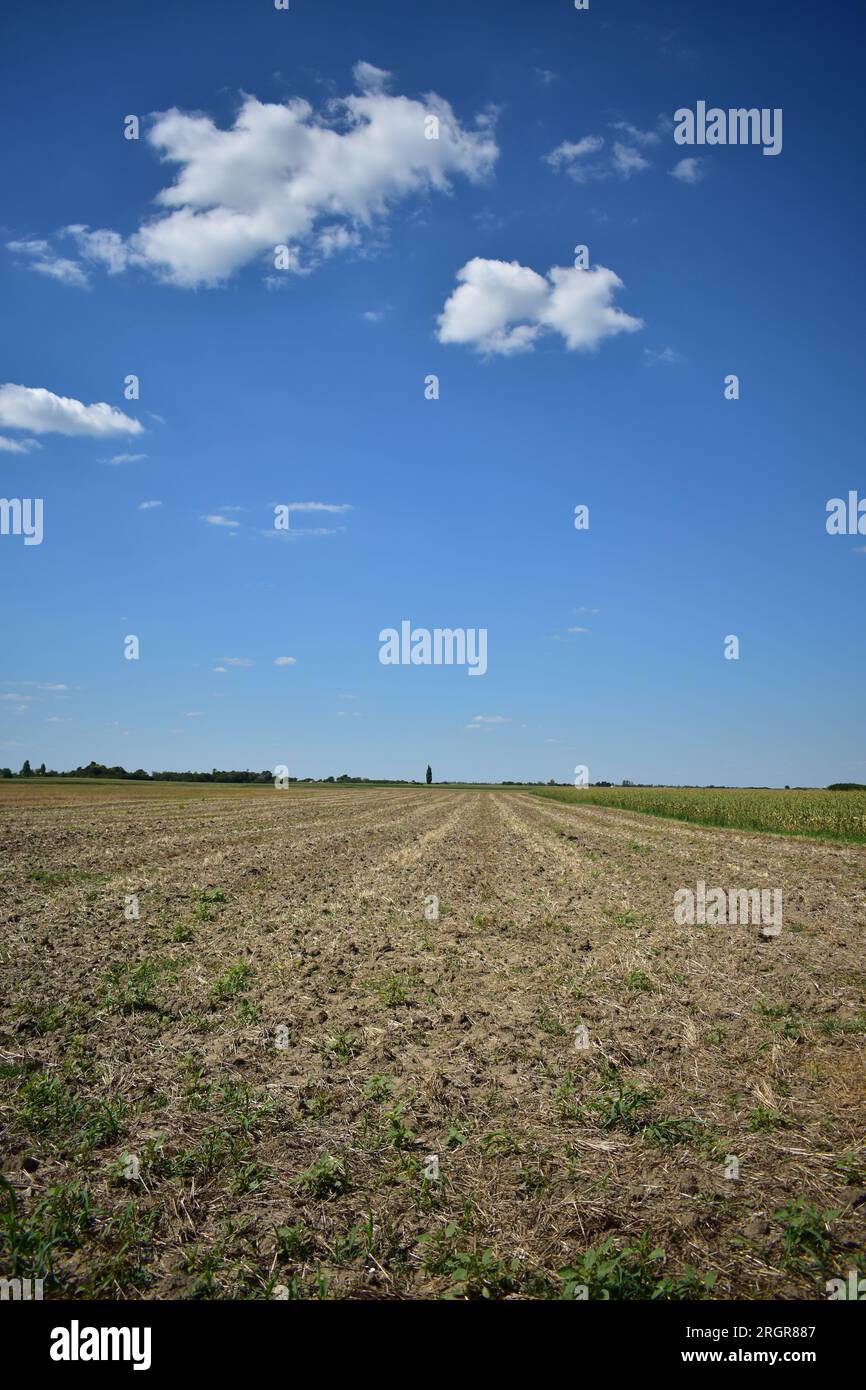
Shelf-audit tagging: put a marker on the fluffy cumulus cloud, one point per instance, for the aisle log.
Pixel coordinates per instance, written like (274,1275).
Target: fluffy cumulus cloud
(35,409)
(502,307)
(286,175)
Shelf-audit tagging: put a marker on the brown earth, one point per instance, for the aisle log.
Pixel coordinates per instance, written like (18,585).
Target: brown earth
(239,1093)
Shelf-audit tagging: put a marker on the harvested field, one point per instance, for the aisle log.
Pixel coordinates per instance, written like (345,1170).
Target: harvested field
(240,1093)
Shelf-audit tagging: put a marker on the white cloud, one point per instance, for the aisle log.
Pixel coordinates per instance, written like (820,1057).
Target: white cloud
(103,247)
(124,458)
(502,307)
(319,506)
(591,159)
(578,629)
(18,446)
(40,685)
(215,520)
(299,533)
(40,411)
(664,357)
(41,258)
(570,152)
(628,161)
(490,719)
(637,137)
(285,660)
(148,506)
(688,170)
(286,175)
(369,78)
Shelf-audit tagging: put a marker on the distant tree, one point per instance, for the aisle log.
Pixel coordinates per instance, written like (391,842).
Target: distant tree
(26,770)
(429,774)
(41,772)
(5,772)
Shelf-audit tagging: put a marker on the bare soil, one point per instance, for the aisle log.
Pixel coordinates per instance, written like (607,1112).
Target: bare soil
(240,1093)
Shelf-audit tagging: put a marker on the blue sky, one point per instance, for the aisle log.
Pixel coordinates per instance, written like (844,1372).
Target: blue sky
(258,387)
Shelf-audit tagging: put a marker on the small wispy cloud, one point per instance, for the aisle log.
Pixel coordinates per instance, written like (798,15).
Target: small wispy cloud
(215,519)
(319,506)
(39,256)
(595,157)
(638,136)
(299,533)
(237,660)
(124,458)
(148,506)
(39,685)
(661,357)
(285,660)
(18,446)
